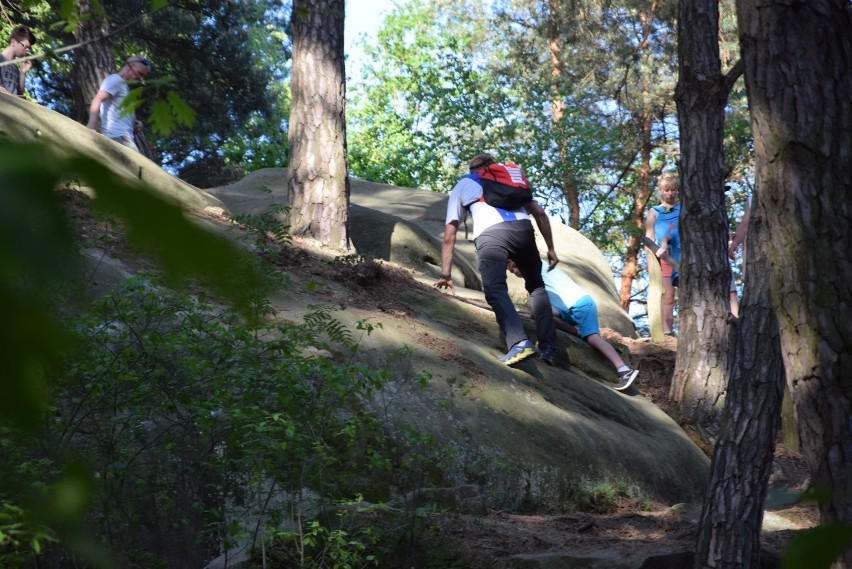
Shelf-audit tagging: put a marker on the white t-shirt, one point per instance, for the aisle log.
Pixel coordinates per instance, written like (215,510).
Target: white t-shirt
(562,290)
(113,124)
(468,191)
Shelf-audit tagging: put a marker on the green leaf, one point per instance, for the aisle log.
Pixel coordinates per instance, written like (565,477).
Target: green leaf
(132,101)
(817,548)
(37,256)
(183,113)
(161,119)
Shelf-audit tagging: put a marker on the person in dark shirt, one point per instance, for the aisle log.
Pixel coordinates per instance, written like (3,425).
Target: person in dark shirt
(12,77)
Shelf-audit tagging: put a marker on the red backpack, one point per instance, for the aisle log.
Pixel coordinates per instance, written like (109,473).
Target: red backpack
(504,186)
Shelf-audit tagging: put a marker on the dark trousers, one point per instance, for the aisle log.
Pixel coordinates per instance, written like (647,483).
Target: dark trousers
(514,240)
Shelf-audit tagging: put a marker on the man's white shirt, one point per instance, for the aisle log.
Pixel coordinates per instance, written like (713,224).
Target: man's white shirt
(467,191)
(113,124)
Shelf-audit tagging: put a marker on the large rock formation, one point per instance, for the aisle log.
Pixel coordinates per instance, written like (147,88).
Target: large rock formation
(24,121)
(529,436)
(405,225)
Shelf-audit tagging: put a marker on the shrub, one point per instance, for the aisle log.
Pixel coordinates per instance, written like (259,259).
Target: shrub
(199,431)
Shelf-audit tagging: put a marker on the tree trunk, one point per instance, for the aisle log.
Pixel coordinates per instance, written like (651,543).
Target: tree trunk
(557,110)
(92,62)
(798,73)
(629,271)
(701,372)
(637,218)
(729,534)
(318,175)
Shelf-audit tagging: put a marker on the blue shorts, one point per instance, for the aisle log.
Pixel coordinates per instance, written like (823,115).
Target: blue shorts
(583,315)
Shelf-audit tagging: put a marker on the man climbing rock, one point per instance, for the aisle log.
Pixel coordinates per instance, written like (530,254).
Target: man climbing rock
(501,235)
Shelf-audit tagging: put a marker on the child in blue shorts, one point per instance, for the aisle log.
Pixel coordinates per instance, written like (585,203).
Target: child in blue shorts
(576,312)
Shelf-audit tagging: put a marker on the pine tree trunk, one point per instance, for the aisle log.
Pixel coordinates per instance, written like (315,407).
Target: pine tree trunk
(701,372)
(629,270)
(729,534)
(92,62)
(557,110)
(798,72)
(318,175)
(640,202)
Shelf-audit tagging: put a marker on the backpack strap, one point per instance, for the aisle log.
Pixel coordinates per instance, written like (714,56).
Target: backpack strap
(466,207)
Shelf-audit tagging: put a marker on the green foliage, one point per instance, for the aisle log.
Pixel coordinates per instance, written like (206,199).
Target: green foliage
(817,548)
(317,546)
(163,386)
(270,227)
(19,537)
(36,246)
(427,103)
(262,141)
(185,415)
(170,112)
(222,61)
(606,497)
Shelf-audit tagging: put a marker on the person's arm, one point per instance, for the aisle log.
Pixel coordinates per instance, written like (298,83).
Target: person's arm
(565,327)
(543,222)
(650,233)
(95,109)
(650,222)
(664,246)
(25,67)
(740,232)
(448,245)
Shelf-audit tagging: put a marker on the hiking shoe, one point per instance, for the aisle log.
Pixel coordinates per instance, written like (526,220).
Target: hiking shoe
(548,354)
(519,352)
(625,379)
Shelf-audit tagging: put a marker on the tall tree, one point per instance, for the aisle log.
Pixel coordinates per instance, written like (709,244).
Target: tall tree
(609,68)
(732,514)
(558,108)
(223,58)
(701,373)
(428,102)
(94,59)
(319,172)
(798,73)
(643,118)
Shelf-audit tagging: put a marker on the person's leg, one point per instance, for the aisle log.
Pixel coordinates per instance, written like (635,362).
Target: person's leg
(668,302)
(668,299)
(604,347)
(526,257)
(491,257)
(735,304)
(585,314)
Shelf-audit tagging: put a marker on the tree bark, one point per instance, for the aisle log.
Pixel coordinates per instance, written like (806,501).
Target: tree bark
(798,73)
(701,374)
(644,118)
(557,110)
(640,202)
(318,175)
(92,62)
(731,519)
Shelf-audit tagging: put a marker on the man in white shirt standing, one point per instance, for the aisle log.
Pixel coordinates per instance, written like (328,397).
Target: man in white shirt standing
(106,106)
